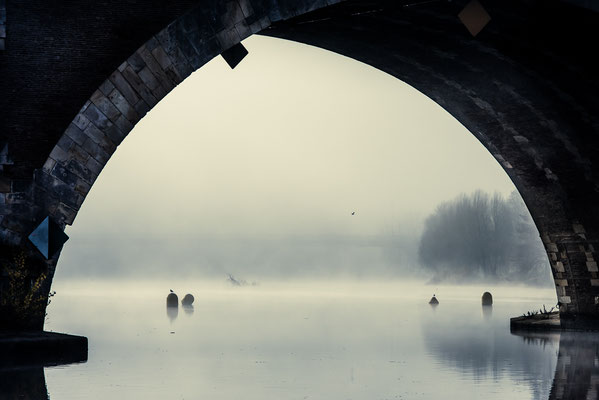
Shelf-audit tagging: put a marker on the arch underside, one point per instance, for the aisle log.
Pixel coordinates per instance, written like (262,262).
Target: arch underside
(530,100)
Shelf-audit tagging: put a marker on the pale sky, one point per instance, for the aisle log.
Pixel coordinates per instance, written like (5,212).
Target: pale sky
(285,146)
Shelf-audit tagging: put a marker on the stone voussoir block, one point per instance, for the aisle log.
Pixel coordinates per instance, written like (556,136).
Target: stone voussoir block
(57,190)
(155,68)
(123,87)
(135,62)
(123,125)
(65,214)
(173,75)
(142,108)
(49,164)
(76,134)
(64,174)
(228,38)
(138,85)
(59,154)
(565,299)
(152,43)
(152,83)
(167,41)
(115,135)
(255,26)
(82,187)
(551,247)
(234,13)
(77,152)
(82,110)
(124,106)
(94,166)
(246,8)
(106,87)
(192,47)
(97,117)
(173,52)
(243,30)
(561,290)
(100,138)
(161,57)
(80,170)
(105,105)
(81,121)
(96,152)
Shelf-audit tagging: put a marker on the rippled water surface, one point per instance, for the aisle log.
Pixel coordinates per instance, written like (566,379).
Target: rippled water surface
(304,341)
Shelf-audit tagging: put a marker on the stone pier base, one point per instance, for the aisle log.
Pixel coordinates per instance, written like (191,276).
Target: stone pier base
(553,322)
(41,348)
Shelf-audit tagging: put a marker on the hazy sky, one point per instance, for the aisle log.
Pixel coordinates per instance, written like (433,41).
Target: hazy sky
(275,155)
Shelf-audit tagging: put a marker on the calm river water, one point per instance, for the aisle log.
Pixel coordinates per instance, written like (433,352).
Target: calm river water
(304,340)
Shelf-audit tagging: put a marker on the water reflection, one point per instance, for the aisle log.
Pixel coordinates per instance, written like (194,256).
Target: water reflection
(576,375)
(23,383)
(577,371)
(487,312)
(172,313)
(188,309)
(320,342)
(480,349)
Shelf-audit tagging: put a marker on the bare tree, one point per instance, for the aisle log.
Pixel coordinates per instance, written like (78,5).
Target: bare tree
(481,237)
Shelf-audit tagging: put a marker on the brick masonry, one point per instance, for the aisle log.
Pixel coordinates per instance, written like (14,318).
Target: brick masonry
(541,126)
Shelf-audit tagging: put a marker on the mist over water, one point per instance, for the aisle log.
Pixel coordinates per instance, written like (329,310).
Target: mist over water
(256,171)
(360,339)
(316,209)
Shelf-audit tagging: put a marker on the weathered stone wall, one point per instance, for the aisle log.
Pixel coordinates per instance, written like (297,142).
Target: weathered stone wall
(525,90)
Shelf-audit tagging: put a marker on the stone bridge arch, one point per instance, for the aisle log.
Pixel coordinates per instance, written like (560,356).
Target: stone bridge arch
(539,125)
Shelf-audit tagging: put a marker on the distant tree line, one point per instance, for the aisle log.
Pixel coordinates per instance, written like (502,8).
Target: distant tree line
(483,237)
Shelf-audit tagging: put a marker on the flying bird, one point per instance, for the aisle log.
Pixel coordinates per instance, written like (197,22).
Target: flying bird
(353,213)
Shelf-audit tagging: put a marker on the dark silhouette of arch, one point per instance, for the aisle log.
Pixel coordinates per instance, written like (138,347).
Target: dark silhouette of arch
(526,87)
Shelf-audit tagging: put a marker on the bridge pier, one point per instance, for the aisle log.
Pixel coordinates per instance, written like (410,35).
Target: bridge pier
(25,283)
(573,264)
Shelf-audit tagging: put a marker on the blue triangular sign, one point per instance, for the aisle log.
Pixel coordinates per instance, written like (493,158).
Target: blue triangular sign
(40,237)
(48,238)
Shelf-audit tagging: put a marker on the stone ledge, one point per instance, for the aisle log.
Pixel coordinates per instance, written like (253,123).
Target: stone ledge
(553,322)
(538,322)
(23,349)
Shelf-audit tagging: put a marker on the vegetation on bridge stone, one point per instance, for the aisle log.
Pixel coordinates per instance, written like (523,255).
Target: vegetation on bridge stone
(23,300)
(482,237)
